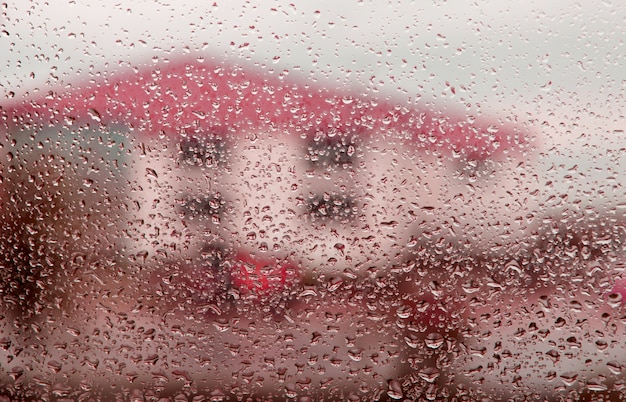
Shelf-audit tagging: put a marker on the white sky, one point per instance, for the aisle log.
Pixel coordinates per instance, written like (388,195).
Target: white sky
(410,47)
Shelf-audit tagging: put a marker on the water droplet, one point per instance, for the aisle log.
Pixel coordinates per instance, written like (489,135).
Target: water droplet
(347,100)
(395,389)
(429,374)
(334,283)
(412,340)
(404,311)
(151,172)
(434,340)
(199,114)
(61,390)
(217,395)
(614,367)
(554,355)
(493,129)
(290,391)
(73,331)
(596,384)
(559,322)
(351,150)
(5,343)
(355,354)
(221,324)
(55,366)
(615,299)
(16,372)
(479,351)
(569,378)
(151,359)
(471,286)
(94,114)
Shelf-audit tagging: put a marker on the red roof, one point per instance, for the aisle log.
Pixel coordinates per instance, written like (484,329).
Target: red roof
(190,95)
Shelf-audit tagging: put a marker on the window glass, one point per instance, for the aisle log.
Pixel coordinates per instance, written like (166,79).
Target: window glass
(312,201)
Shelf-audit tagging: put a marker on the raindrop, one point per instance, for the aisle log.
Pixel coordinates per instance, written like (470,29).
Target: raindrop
(434,340)
(94,114)
(55,366)
(199,114)
(152,173)
(412,340)
(217,395)
(334,283)
(395,389)
(355,354)
(596,384)
(614,367)
(16,372)
(569,378)
(615,299)
(404,311)
(471,286)
(347,100)
(429,374)
(73,331)
(554,355)
(5,343)
(290,391)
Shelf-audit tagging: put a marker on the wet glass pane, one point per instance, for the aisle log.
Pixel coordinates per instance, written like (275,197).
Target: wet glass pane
(312,201)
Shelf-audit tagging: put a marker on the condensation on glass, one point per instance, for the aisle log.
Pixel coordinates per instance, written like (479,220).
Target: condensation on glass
(363,202)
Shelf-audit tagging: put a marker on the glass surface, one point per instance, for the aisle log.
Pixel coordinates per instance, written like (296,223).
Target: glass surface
(312,201)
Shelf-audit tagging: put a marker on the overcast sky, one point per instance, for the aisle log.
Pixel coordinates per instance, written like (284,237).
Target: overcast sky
(402,48)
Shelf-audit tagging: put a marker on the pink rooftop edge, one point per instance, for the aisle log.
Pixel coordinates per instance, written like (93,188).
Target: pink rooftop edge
(199,96)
